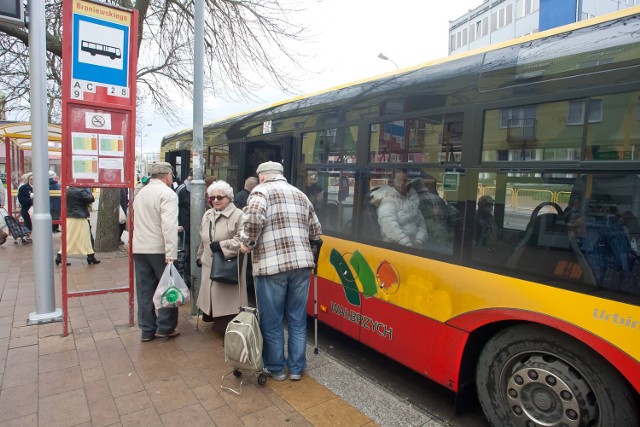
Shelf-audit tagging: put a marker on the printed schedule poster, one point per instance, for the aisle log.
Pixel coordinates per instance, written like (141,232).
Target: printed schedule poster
(84,143)
(85,167)
(112,145)
(111,170)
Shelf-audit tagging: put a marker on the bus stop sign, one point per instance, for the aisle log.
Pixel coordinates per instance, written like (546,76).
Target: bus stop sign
(100,54)
(12,12)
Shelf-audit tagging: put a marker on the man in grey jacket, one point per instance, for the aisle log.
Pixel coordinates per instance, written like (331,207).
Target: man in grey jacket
(155,244)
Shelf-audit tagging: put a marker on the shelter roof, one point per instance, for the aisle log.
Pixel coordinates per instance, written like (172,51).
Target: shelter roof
(20,134)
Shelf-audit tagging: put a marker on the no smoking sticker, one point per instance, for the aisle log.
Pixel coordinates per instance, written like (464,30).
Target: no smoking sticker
(98,121)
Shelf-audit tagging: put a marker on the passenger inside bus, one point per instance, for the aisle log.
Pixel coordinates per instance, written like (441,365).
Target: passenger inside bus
(315,193)
(588,242)
(440,218)
(399,212)
(606,245)
(485,228)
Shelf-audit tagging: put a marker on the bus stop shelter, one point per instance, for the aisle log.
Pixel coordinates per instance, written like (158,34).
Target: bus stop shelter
(18,144)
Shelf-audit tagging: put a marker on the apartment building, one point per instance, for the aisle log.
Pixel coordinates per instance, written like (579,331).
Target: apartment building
(495,21)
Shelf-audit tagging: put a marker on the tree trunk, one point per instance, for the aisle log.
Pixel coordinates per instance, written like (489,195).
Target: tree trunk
(107,227)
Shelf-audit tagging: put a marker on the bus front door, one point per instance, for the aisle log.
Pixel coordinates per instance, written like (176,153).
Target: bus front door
(257,152)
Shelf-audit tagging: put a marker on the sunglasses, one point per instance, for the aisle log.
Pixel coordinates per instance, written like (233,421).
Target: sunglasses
(218,198)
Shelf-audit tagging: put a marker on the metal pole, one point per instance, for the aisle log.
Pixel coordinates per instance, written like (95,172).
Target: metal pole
(197,184)
(41,233)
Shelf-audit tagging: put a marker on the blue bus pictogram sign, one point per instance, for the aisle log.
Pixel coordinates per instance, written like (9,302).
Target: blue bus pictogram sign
(100,52)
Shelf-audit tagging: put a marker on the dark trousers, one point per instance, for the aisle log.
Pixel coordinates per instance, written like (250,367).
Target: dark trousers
(55,215)
(148,270)
(26,218)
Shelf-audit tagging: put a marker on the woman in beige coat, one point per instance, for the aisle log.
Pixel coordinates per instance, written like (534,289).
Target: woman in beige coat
(219,230)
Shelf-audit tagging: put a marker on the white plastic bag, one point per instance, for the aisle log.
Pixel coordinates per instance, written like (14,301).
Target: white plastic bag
(171,291)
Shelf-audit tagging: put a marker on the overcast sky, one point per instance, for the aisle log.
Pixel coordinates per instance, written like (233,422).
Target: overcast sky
(349,36)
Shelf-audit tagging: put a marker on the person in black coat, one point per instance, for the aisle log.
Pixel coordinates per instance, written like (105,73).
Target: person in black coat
(184,221)
(124,203)
(25,198)
(55,202)
(240,199)
(79,237)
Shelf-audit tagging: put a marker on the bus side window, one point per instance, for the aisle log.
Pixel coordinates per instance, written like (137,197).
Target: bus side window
(605,236)
(331,194)
(368,226)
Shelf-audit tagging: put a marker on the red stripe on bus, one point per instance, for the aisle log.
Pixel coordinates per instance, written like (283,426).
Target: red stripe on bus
(628,367)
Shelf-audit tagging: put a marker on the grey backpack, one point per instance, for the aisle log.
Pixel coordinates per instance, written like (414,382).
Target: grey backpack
(243,341)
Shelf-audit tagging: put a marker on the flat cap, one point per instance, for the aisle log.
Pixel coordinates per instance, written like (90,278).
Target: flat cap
(485,200)
(160,168)
(270,167)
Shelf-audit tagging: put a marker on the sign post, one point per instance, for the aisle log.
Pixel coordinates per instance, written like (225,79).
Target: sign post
(99,110)
(43,275)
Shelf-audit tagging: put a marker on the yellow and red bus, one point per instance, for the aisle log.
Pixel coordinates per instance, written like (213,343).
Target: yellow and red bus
(480,216)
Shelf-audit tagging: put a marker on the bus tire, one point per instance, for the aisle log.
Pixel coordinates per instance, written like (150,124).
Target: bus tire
(529,375)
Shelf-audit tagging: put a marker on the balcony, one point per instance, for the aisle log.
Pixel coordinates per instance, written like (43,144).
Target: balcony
(521,130)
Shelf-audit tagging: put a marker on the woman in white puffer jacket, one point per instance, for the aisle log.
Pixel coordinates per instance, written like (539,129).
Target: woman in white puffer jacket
(399,213)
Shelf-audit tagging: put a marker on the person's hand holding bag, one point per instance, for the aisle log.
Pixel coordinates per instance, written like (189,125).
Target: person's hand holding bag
(171,291)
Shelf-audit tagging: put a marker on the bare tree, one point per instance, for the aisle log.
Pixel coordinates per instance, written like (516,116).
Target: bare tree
(107,224)
(248,44)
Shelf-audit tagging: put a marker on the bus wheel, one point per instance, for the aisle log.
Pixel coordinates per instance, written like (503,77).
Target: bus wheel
(530,376)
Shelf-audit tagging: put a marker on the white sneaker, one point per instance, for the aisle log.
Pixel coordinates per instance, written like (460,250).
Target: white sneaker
(281,376)
(295,377)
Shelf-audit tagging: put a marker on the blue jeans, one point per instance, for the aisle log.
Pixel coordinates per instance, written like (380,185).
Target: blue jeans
(280,294)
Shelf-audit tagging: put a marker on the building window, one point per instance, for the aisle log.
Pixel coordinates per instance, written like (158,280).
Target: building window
(511,116)
(575,115)
(526,7)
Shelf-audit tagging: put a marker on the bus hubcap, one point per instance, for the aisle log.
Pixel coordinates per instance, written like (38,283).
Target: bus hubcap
(542,390)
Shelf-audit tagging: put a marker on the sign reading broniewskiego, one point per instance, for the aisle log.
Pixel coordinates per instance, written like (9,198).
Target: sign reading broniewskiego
(100,53)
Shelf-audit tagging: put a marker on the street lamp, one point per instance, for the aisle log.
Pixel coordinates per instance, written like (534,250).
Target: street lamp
(141,135)
(386,58)
(142,164)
